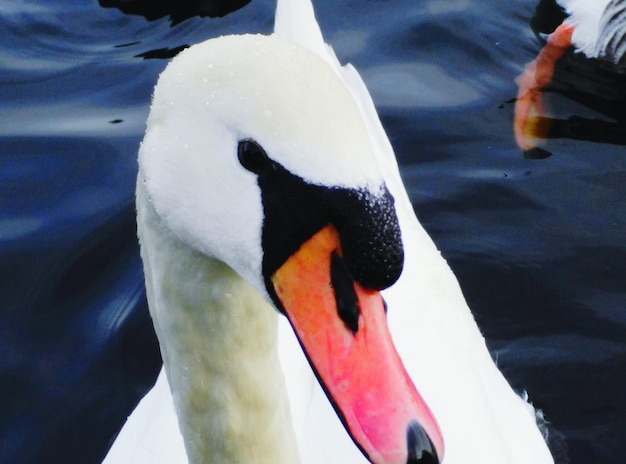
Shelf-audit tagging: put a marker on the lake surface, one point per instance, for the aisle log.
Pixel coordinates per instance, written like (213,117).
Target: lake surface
(537,244)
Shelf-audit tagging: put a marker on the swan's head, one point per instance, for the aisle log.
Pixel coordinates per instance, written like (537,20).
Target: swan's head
(256,154)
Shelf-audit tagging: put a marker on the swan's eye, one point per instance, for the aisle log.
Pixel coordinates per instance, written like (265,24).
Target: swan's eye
(253,157)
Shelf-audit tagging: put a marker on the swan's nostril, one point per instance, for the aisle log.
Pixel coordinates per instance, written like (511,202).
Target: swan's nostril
(345,297)
(420,449)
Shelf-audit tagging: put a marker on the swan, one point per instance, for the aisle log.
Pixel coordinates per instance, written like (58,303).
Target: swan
(595,28)
(268,188)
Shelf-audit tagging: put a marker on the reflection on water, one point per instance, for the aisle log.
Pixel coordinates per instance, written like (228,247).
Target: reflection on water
(419,85)
(176,11)
(537,244)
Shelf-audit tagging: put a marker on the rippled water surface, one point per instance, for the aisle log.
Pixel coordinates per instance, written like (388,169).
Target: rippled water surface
(538,245)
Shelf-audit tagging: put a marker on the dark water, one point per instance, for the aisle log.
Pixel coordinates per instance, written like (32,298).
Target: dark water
(538,245)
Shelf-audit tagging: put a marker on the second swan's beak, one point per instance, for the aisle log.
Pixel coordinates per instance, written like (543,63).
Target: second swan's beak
(343,330)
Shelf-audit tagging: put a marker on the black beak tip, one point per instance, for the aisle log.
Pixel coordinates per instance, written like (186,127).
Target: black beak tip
(420,449)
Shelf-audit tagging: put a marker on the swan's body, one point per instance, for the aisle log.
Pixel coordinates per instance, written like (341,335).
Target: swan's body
(595,28)
(200,221)
(599,27)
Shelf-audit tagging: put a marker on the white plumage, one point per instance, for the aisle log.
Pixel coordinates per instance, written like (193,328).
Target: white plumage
(199,221)
(585,16)
(599,27)
(595,28)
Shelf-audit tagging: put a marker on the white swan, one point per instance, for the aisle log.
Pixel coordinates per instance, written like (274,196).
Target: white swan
(596,28)
(599,28)
(257,146)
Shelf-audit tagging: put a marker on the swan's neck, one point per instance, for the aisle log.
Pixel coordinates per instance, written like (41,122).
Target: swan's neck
(218,342)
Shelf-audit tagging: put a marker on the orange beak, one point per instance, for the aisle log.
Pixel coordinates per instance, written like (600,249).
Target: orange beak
(345,336)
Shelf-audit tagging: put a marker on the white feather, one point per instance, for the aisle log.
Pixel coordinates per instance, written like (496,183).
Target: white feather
(482,419)
(585,16)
